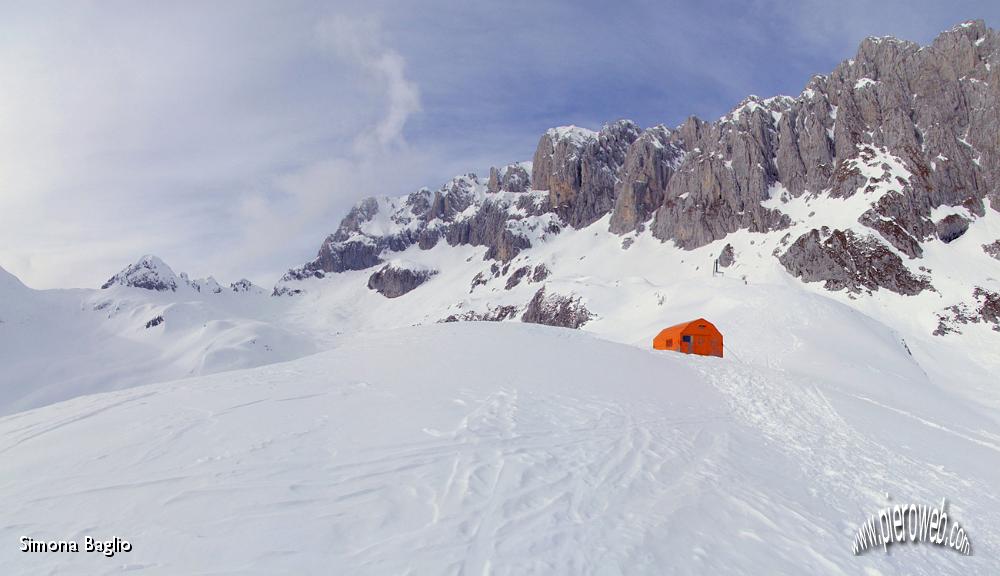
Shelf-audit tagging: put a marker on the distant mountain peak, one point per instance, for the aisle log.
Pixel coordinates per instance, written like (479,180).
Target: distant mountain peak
(148,273)
(244,286)
(152,273)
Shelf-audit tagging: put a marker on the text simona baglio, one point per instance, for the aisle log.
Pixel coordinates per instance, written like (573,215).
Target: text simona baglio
(107,547)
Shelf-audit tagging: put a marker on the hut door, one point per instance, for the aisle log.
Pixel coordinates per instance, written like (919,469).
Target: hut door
(686,344)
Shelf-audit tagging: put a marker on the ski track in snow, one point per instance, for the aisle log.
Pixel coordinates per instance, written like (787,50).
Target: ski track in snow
(797,416)
(579,456)
(934,425)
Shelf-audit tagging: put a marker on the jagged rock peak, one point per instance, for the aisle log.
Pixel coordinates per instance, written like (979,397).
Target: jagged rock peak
(572,133)
(461,212)
(207,285)
(754,103)
(579,168)
(148,273)
(244,286)
(515,177)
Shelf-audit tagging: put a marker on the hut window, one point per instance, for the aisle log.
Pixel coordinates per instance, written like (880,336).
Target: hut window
(670,342)
(685,339)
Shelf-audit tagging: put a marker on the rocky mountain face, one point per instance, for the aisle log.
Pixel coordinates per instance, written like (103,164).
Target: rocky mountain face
(650,162)
(463,211)
(580,169)
(908,129)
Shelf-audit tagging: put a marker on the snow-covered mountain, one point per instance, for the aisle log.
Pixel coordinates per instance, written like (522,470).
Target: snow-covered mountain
(878,186)
(152,273)
(862,183)
(147,324)
(846,241)
(872,187)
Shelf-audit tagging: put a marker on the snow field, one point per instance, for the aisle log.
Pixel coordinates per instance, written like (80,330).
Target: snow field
(568,455)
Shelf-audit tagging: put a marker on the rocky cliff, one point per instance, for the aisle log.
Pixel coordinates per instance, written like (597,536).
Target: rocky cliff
(895,134)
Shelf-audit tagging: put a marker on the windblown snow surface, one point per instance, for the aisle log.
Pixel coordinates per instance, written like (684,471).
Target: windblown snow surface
(479,448)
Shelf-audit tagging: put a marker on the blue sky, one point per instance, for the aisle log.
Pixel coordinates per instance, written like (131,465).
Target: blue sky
(230,137)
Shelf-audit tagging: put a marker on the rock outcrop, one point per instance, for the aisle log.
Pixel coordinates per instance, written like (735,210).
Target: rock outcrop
(244,286)
(556,166)
(843,260)
(728,171)
(951,228)
(992,249)
(556,310)
(541,273)
(492,314)
(727,257)
(515,278)
(984,308)
(395,279)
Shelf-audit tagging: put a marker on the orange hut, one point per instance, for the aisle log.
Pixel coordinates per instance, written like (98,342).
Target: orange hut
(695,337)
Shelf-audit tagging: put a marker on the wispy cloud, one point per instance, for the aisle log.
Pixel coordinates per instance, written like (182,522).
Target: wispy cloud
(378,160)
(359,40)
(141,130)
(229,137)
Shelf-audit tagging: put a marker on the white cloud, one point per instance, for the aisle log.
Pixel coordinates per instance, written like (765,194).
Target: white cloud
(225,139)
(359,40)
(377,162)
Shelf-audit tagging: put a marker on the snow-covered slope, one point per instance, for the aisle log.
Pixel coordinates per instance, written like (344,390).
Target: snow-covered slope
(58,344)
(631,287)
(636,286)
(504,449)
